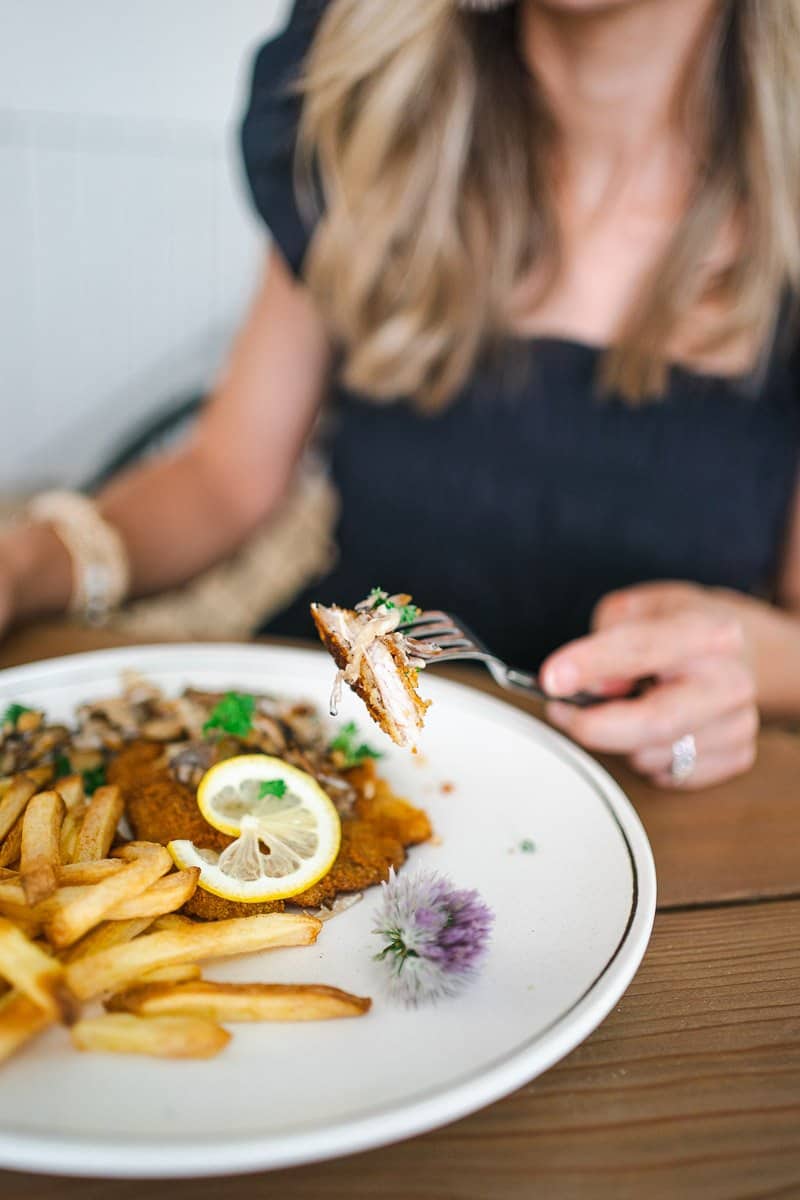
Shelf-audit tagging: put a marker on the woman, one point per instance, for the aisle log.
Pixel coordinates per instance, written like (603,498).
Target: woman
(566,231)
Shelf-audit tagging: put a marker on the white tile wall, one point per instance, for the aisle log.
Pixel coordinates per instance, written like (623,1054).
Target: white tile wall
(127,249)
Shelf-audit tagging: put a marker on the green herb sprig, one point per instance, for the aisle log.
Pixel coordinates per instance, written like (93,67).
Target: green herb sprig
(353,752)
(271,787)
(233,714)
(380,599)
(93,777)
(13,713)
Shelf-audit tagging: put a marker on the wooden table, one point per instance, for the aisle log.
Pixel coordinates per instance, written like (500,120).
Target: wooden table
(690,1088)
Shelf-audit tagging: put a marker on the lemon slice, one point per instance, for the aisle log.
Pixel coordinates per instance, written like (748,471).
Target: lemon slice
(286,828)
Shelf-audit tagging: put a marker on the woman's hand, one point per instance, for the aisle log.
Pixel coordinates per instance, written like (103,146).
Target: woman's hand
(698,645)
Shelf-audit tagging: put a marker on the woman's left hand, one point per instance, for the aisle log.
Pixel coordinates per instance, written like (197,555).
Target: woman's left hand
(695,643)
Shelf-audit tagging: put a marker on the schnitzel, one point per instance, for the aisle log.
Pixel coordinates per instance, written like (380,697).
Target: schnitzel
(367,645)
(377,828)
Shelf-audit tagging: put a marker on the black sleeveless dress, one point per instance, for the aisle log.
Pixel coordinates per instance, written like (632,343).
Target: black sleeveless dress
(532,496)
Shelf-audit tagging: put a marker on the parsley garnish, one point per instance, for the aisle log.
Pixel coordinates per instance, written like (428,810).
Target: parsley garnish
(233,714)
(14,712)
(527,846)
(94,778)
(63,766)
(345,743)
(271,787)
(409,614)
(380,599)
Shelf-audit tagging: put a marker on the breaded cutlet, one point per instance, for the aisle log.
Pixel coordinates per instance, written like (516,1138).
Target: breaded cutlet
(375,834)
(385,680)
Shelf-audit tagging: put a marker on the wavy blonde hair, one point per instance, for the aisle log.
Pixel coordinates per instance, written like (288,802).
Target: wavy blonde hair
(431,143)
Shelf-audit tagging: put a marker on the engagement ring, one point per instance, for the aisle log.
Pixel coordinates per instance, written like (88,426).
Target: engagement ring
(684,758)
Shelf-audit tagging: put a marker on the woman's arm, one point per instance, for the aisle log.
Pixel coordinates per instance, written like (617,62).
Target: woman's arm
(184,511)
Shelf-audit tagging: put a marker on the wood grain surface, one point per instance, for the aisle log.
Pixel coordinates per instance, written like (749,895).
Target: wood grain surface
(690,1088)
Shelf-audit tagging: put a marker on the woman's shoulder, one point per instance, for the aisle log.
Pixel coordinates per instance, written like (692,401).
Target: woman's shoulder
(269,129)
(277,61)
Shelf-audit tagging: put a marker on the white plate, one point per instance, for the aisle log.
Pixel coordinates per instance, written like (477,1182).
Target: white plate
(572,922)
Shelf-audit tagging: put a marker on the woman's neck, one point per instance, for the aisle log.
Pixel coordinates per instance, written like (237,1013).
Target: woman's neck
(613,76)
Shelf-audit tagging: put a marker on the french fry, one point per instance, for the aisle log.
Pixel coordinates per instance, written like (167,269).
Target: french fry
(22,917)
(41,776)
(172,921)
(79,915)
(41,978)
(161,1037)
(13,898)
(180,973)
(39,854)
(105,935)
(166,894)
(81,874)
(46,741)
(71,790)
(76,884)
(13,803)
(11,891)
(20,1020)
(99,824)
(130,851)
(70,830)
(240,1001)
(111,969)
(11,846)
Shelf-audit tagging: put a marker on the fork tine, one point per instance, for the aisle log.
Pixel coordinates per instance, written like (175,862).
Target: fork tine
(429,619)
(434,633)
(451,641)
(451,655)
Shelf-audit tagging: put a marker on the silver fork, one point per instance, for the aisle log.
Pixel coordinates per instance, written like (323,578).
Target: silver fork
(438,637)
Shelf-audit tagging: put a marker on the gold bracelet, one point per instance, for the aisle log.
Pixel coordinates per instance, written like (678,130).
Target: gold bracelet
(100,567)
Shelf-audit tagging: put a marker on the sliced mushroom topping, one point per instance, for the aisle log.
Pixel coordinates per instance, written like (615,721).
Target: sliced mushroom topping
(118,713)
(267,734)
(304,723)
(47,740)
(29,721)
(342,793)
(192,716)
(189,761)
(138,690)
(161,729)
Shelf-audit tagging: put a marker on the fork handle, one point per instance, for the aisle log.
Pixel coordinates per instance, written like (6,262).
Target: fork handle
(530,683)
(527,681)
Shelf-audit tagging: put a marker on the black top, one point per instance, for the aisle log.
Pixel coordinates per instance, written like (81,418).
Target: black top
(524,503)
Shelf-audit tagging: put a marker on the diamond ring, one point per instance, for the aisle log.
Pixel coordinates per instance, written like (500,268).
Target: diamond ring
(684,758)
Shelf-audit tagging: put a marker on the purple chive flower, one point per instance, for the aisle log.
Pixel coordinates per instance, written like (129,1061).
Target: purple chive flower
(434,935)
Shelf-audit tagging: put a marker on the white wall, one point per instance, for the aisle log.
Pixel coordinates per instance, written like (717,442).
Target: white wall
(127,249)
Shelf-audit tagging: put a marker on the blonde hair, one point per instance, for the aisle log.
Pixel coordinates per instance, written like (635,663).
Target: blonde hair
(431,143)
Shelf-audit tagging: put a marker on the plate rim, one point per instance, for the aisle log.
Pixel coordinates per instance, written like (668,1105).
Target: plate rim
(78,1155)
